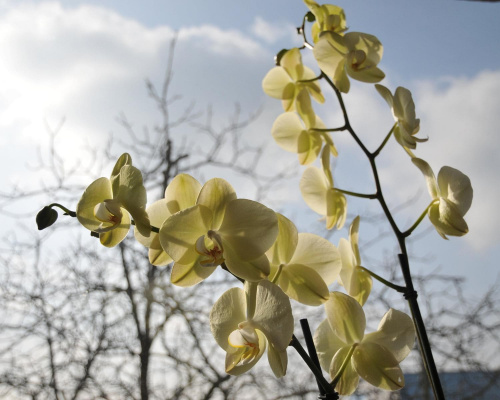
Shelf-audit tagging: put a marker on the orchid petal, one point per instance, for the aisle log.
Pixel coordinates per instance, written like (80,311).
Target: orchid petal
(429,176)
(278,360)
(118,233)
(318,254)
(349,379)
(273,310)
(456,187)
(303,284)
(327,344)
(249,228)
(396,333)
(286,131)
(179,233)
(283,249)
(216,195)
(346,317)
(278,84)
(227,312)
(132,195)
(314,188)
(96,193)
(292,64)
(181,193)
(376,365)
(386,94)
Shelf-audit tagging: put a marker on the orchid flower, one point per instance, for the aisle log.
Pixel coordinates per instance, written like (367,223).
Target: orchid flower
(181,193)
(291,135)
(244,322)
(105,205)
(451,198)
(340,340)
(355,54)
(219,229)
(294,83)
(303,264)
(403,110)
(328,18)
(318,192)
(357,282)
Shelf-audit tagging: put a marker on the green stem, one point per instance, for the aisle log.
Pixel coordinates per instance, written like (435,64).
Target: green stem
(73,214)
(398,288)
(302,30)
(153,228)
(342,128)
(277,274)
(417,222)
(376,152)
(314,369)
(310,80)
(344,365)
(67,211)
(362,195)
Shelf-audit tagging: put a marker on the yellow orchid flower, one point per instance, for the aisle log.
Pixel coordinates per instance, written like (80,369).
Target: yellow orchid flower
(244,322)
(355,54)
(375,356)
(219,229)
(105,205)
(328,18)
(288,82)
(403,110)
(318,192)
(451,198)
(357,283)
(303,264)
(291,135)
(180,194)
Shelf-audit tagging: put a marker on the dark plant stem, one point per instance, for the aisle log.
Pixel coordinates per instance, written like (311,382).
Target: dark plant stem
(328,389)
(311,349)
(410,294)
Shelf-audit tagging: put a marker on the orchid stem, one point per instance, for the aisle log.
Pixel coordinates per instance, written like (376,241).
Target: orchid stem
(342,128)
(67,211)
(410,294)
(312,366)
(355,194)
(153,228)
(417,222)
(311,349)
(398,288)
(376,152)
(310,80)
(346,362)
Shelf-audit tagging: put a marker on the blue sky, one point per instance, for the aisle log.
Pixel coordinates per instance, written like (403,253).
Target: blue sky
(86,61)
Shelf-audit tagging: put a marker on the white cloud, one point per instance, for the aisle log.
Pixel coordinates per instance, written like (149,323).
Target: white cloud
(462,121)
(222,42)
(271,32)
(87,64)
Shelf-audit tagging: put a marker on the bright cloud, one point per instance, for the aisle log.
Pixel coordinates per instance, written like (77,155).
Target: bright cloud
(271,32)
(87,64)
(460,116)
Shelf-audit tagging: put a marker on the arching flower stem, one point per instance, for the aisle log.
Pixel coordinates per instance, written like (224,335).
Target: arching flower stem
(66,211)
(344,365)
(398,288)
(355,194)
(410,293)
(417,222)
(382,145)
